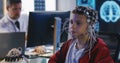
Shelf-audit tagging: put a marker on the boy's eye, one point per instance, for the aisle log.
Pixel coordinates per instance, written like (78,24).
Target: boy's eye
(71,21)
(16,9)
(78,23)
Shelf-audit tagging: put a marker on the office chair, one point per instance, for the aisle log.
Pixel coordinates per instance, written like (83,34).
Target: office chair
(113,42)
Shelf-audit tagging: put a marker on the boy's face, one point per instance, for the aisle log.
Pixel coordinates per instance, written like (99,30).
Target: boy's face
(79,25)
(14,10)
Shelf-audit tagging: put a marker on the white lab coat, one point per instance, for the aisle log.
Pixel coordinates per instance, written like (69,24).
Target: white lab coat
(8,25)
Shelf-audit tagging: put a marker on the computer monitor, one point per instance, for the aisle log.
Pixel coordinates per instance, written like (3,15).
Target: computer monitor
(41,30)
(108,15)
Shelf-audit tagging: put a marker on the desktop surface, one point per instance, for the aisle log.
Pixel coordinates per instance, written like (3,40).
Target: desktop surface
(48,52)
(39,58)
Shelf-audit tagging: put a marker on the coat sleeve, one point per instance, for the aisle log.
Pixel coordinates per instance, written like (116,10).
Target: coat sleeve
(55,58)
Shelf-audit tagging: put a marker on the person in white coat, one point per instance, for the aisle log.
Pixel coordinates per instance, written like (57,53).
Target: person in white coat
(10,22)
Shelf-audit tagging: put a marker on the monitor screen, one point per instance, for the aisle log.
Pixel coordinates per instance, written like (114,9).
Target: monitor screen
(40,30)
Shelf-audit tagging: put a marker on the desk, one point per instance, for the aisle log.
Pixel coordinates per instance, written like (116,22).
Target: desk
(38,60)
